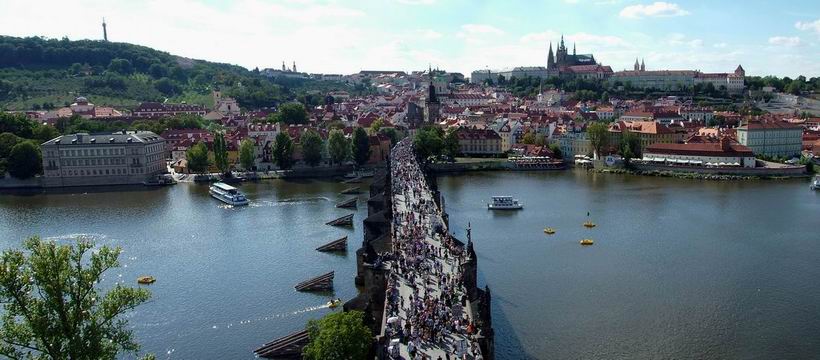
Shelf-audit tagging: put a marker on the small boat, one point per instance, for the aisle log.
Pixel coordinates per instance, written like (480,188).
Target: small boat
(589,224)
(228,194)
(549,231)
(815,184)
(146,280)
(504,203)
(587,242)
(334,303)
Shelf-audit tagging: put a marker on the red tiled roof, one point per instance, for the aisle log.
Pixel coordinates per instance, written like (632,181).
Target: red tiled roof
(699,149)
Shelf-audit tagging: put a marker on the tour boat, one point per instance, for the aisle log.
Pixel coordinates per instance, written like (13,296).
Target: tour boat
(549,231)
(504,203)
(587,242)
(146,280)
(228,194)
(815,184)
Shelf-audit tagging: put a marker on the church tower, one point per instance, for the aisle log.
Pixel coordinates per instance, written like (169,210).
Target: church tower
(431,104)
(294,66)
(105,31)
(284,68)
(643,66)
(636,67)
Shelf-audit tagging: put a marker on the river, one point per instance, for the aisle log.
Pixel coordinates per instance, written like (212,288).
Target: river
(679,269)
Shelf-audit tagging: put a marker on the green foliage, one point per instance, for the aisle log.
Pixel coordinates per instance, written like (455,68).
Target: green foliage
(529,138)
(220,152)
(338,336)
(197,157)
(283,151)
(53,308)
(390,133)
(7,141)
(556,150)
(338,147)
(598,134)
(630,146)
(25,160)
(361,146)
(247,154)
(312,147)
(450,143)
(43,133)
(428,142)
(16,124)
(291,113)
(376,126)
(167,87)
(121,66)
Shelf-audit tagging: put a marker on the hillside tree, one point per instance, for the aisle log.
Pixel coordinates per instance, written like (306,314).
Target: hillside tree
(312,147)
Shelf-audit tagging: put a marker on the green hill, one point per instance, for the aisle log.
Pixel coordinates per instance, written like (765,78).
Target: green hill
(40,73)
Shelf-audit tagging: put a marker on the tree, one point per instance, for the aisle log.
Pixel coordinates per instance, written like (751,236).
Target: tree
(338,336)
(283,151)
(428,142)
(598,135)
(247,156)
(390,133)
(220,152)
(376,126)
(311,147)
(450,145)
(25,160)
(291,113)
(529,138)
(45,133)
(337,147)
(166,86)
(630,146)
(53,308)
(556,150)
(7,141)
(197,156)
(361,146)
(121,66)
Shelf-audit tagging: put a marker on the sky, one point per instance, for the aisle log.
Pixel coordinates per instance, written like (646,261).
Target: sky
(767,37)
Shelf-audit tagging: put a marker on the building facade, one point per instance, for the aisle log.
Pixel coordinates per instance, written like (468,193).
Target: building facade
(771,138)
(119,158)
(722,153)
(478,142)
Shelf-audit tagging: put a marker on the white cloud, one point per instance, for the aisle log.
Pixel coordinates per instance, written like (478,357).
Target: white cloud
(656,9)
(721,45)
(428,34)
(481,29)
(416,2)
(809,26)
(788,41)
(677,40)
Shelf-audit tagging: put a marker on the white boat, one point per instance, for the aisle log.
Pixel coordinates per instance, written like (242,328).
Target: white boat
(815,183)
(228,194)
(504,203)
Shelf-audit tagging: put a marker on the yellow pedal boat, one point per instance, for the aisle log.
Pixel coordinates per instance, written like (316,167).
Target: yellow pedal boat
(334,303)
(587,242)
(146,280)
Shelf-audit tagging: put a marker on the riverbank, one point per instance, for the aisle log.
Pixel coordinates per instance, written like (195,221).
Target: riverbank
(489,164)
(696,175)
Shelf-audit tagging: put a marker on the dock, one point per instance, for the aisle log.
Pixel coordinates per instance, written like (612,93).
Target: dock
(346,220)
(286,347)
(347,204)
(320,283)
(350,191)
(335,245)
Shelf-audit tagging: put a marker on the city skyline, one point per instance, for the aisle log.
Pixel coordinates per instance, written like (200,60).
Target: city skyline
(346,37)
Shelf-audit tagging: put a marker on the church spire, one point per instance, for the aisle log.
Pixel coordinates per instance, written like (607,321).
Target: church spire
(643,66)
(562,47)
(294,66)
(573,49)
(637,66)
(550,58)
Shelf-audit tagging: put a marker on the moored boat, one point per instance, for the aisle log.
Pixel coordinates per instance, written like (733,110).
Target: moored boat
(815,183)
(587,242)
(228,194)
(504,203)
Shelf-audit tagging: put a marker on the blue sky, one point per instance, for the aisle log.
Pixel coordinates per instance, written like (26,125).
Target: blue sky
(766,37)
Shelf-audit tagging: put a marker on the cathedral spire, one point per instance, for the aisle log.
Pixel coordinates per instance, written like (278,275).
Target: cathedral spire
(637,66)
(643,66)
(550,58)
(562,47)
(573,49)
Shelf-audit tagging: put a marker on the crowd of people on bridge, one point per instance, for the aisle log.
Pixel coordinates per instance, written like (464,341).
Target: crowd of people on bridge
(429,317)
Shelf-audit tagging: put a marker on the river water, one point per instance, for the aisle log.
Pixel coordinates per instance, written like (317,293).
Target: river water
(679,269)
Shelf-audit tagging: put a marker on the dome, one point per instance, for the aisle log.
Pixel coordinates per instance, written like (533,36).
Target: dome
(81,99)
